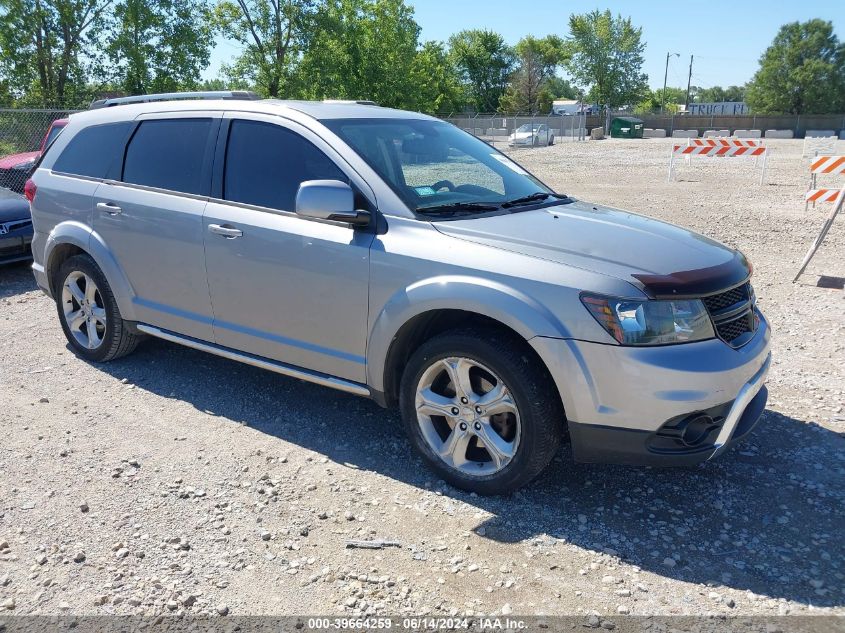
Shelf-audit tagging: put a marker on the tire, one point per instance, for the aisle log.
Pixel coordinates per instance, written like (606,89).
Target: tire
(531,433)
(536,141)
(111,337)
(551,141)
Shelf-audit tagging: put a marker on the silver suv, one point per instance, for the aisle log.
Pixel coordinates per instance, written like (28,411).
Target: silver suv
(392,255)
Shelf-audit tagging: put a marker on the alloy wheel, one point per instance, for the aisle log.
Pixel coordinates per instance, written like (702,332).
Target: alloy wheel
(83,309)
(467,416)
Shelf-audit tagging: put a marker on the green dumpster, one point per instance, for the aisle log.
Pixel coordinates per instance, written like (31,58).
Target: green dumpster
(626,127)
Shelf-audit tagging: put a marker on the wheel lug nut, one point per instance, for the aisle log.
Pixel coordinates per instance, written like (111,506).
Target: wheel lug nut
(455,411)
(462,426)
(477,426)
(478,410)
(464,400)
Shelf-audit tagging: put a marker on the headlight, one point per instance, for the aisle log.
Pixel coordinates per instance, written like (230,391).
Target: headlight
(633,322)
(24,165)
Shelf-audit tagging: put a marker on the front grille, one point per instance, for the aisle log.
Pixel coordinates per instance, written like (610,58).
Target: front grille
(732,313)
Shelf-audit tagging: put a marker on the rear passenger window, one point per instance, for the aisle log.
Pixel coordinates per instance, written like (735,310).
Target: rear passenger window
(168,154)
(93,150)
(266,163)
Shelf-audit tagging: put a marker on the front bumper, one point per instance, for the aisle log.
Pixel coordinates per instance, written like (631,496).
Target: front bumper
(15,245)
(631,405)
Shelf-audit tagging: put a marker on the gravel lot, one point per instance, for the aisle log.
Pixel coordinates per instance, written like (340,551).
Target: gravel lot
(177,482)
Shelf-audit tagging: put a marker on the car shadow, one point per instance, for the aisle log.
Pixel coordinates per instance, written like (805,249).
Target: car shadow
(16,279)
(766,516)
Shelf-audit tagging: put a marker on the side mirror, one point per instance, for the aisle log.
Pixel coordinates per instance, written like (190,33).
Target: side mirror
(329,200)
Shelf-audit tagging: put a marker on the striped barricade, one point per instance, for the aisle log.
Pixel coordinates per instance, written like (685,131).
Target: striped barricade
(706,148)
(726,142)
(825,165)
(829,165)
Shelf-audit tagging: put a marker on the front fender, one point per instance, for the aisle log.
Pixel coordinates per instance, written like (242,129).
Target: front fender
(81,236)
(492,299)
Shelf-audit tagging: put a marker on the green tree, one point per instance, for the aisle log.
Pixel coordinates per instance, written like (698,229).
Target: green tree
(159,46)
(484,62)
(607,57)
(653,100)
(802,72)
(362,49)
(539,58)
(437,88)
(716,94)
(273,34)
(45,45)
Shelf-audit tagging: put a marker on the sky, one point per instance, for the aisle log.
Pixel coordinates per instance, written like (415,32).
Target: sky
(726,37)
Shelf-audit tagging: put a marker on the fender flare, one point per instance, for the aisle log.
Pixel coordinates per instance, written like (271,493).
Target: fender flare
(81,236)
(495,300)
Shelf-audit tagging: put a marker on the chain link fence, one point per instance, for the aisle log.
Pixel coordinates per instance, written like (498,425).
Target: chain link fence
(496,128)
(23,136)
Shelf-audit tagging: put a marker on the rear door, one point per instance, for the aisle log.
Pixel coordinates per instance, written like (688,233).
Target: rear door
(282,286)
(151,219)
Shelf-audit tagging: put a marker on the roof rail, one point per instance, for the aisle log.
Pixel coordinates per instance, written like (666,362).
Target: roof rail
(351,101)
(247,95)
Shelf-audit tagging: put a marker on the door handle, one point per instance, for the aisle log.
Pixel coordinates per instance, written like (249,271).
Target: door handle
(229,232)
(109,207)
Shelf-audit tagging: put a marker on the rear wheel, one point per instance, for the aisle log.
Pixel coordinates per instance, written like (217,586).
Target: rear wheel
(480,410)
(88,312)
(551,141)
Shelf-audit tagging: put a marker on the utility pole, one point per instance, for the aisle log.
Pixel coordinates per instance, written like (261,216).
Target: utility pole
(665,76)
(689,81)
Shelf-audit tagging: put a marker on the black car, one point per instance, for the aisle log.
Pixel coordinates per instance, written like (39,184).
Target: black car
(15,229)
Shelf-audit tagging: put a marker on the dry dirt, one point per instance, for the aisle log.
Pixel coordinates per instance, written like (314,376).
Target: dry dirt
(176,482)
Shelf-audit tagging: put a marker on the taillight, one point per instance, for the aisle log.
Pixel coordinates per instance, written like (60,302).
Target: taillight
(29,190)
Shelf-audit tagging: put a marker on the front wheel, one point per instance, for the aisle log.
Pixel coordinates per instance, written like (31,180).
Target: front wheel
(481,410)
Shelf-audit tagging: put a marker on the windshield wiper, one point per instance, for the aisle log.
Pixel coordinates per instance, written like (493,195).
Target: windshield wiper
(456,207)
(534,197)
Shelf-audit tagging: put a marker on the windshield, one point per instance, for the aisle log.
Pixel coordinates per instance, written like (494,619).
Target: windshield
(433,164)
(527,127)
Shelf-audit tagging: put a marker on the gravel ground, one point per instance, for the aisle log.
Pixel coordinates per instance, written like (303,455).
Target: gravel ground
(177,482)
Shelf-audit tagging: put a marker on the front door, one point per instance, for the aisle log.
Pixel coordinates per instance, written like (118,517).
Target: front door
(282,286)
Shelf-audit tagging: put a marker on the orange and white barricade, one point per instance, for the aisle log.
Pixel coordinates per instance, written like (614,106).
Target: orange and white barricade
(719,147)
(829,165)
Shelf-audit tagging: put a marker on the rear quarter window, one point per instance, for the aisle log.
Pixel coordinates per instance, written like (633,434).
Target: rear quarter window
(93,150)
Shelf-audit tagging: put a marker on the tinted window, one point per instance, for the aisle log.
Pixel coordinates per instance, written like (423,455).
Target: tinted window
(93,150)
(168,154)
(265,165)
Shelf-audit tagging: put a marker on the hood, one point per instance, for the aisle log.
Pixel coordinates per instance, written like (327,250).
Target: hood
(660,259)
(523,134)
(12,160)
(13,208)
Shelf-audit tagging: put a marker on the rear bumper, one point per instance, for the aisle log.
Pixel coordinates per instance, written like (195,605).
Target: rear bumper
(670,405)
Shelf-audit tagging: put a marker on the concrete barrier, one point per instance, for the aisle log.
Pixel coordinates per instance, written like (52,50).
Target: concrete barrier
(651,133)
(716,133)
(685,134)
(748,133)
(597,133)
(779,134)
(819,133)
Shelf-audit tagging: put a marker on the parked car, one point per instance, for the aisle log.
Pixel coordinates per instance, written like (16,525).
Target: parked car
(532,135)
(16,168)
(15,229)
(496,314)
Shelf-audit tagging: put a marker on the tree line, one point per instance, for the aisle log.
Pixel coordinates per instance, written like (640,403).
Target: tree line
(64,53)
